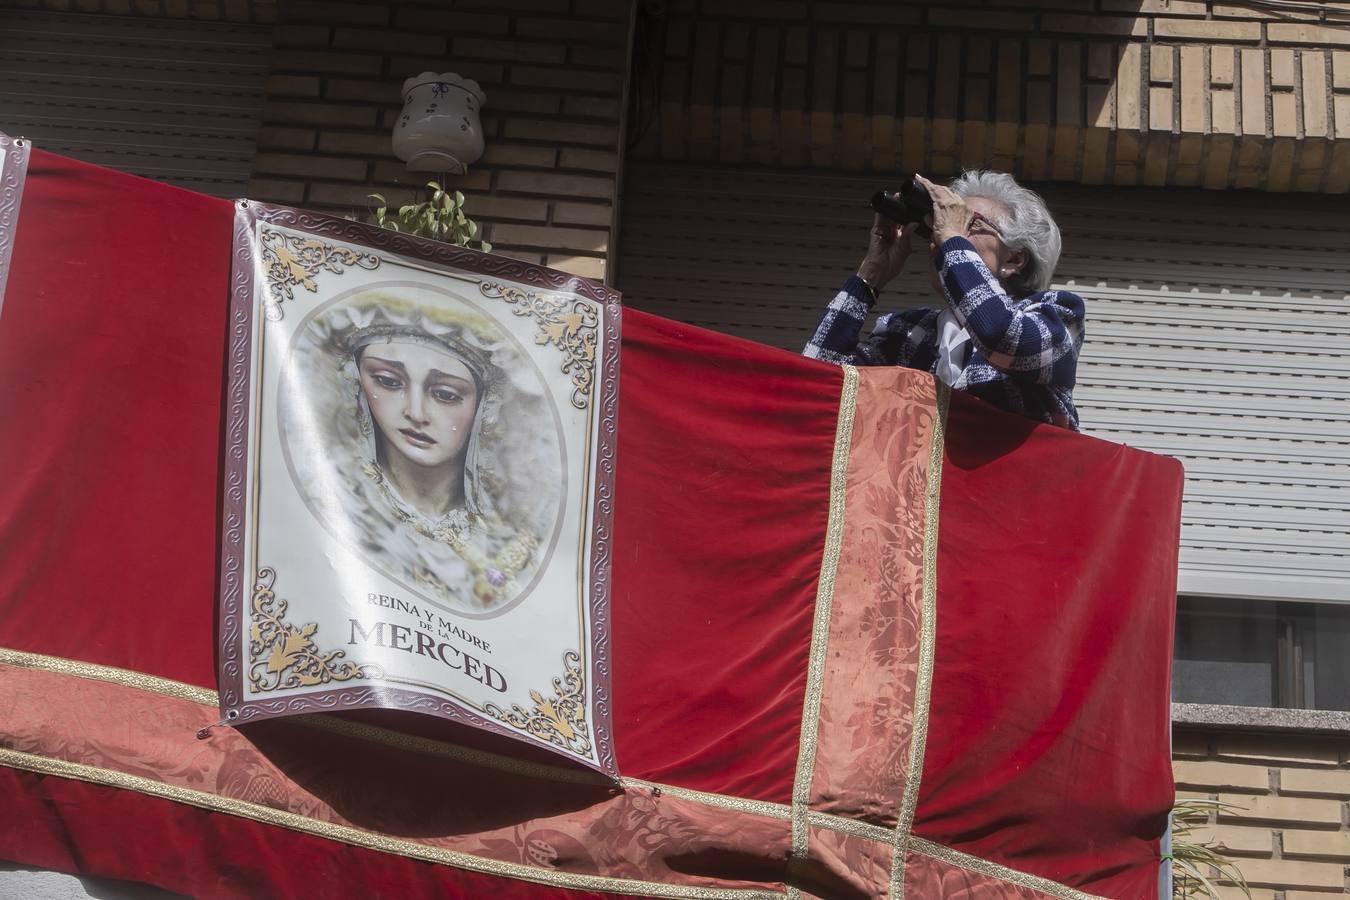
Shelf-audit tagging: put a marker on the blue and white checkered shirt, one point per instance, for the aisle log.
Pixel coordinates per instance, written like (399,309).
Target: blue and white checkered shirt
(1024,354)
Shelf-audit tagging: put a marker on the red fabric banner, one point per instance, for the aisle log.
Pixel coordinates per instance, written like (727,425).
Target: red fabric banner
(1048,746)
(789,536)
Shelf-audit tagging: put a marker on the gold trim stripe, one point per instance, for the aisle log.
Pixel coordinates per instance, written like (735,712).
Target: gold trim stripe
(428,746)
(191,693)
(852,827)
(376,734)
(764,808)
(994,870)
(179,690)
(182,691)
(923,686)
(356,837)
(820,627)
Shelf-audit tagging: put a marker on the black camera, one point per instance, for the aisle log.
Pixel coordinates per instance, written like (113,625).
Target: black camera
(909,204)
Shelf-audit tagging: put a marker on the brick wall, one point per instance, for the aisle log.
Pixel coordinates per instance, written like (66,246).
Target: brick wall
(553,71)
(1106,92)
(248,11)
(1290,835)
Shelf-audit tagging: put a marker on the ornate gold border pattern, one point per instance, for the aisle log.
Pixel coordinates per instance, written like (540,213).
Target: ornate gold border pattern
(561,719)
(290,261)
(572,329)
(238,385)
(282,655)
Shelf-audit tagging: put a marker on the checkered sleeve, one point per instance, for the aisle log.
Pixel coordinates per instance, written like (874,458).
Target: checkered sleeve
(1037,338)
(836,336)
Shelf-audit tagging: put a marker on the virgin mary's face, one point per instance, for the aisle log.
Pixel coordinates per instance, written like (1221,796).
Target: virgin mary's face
(422,398)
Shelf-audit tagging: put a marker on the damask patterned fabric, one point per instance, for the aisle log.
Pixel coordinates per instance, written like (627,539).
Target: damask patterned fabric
(841,668)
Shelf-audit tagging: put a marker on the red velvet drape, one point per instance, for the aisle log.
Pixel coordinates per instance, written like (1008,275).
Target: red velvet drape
(1056,561)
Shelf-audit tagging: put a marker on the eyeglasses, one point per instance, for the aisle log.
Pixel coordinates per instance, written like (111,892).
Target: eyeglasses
(980,225)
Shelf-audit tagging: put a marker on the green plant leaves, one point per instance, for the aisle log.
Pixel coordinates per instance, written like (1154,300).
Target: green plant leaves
(439,216)
(1191,860)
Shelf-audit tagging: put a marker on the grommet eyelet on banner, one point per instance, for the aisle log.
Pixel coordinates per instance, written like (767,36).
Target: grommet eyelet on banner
(204,733)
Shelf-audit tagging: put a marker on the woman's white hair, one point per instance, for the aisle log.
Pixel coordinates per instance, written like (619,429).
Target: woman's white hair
(1027,226)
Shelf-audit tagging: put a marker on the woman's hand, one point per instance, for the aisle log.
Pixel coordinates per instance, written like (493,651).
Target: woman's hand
(951,217)
(887,250)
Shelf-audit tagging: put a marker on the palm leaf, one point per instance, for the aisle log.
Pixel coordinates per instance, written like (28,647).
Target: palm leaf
(1190,859)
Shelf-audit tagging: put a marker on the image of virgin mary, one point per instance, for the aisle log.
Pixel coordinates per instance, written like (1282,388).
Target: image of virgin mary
(418,441)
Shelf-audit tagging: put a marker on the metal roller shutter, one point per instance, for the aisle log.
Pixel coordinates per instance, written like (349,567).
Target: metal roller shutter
(177,101)
(1218,333)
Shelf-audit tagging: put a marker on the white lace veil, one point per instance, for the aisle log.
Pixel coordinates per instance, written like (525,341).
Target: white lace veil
(458,342)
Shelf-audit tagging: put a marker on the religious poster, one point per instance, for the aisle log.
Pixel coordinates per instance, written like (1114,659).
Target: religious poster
(419,465)
(13,167)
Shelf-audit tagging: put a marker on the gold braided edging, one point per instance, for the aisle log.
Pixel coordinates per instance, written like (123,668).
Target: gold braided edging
(179,690)
(852,827)
(356,837)
(994,870)
(268,815)
(764,808)
(427,746)
(820,626)
(182,691)
(923,686)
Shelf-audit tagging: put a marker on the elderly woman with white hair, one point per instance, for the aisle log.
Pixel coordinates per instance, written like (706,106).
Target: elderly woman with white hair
(1001,333)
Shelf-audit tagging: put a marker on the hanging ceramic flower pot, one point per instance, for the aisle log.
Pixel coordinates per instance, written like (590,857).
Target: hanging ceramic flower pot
(439,130)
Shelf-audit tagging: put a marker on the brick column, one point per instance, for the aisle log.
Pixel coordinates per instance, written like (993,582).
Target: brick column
(1287,828)
(553,71)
